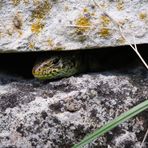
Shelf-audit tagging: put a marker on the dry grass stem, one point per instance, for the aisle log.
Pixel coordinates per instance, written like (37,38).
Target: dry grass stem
(122,34)
(145,136)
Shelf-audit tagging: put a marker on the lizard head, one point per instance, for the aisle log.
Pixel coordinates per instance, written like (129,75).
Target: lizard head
(55,67)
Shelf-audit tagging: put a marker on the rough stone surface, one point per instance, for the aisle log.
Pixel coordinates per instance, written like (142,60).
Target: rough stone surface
(33,25)
(59,114)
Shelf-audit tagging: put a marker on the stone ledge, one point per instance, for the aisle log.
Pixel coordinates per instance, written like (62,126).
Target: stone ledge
(27,25)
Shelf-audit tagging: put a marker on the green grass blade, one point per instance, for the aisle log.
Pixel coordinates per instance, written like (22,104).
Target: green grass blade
(110,125)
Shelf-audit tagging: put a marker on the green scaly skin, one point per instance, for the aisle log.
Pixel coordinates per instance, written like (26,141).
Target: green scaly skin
(68,64)
(58,67)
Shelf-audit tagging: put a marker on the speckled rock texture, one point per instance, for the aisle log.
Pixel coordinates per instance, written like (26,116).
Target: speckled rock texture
(59,114)
(35,25)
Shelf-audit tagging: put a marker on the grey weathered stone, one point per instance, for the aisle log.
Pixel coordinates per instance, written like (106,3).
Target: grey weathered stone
(33,25)
(59,114)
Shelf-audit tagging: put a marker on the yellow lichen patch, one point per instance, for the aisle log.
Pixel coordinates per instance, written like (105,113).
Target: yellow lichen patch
(1,34)
(66,8)
(104,32)
(83,24)
(9,31)
(104,20)
(31,45)
(103,5)
(16,2)
(143,15)
(26,1)
(85,10)
(59,48)
(120,5)
(41,10)
(50,42)
(93,14)
(37,27)
(20,33)
(121,40)
(36,2)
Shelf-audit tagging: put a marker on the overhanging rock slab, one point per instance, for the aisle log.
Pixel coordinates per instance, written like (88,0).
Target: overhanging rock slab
(34,25)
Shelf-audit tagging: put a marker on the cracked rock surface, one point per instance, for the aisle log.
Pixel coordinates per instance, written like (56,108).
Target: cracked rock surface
(60,113)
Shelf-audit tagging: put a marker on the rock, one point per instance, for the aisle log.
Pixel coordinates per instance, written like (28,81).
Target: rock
(35,25)
(59,114)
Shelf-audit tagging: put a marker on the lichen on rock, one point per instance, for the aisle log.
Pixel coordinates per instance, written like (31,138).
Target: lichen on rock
(72,24)
(61,113)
